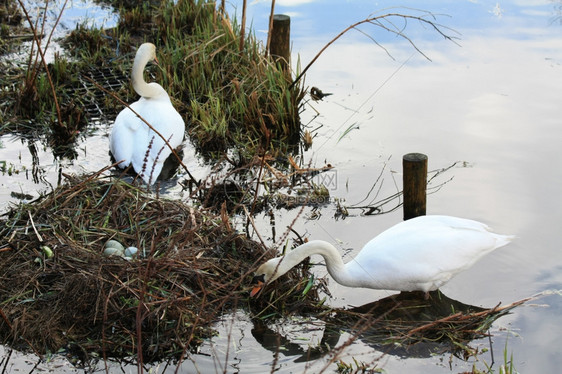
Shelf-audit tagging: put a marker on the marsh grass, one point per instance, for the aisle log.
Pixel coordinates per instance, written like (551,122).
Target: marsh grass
(236,97)
(45,99)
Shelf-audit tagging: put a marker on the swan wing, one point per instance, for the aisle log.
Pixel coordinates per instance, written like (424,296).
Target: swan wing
(423,253)
(125,134)
(151,151)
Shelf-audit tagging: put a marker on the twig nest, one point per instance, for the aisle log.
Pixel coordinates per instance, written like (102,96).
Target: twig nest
(81,280)
(114,248)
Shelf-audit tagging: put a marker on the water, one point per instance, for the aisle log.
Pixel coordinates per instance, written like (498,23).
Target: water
(492,102)
(76,12)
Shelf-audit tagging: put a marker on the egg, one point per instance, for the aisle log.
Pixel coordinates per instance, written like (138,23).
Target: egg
(113,248)
(112,251)
(114,244)
(130,252)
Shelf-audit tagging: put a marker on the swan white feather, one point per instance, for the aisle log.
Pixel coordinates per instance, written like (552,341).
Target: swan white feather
(420,254)
(131,140)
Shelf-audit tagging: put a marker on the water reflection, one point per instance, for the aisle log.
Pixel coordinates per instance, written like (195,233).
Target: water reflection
(76,12)
(25,166)
(493,103)
(326,18)
(276,342)
(407,325)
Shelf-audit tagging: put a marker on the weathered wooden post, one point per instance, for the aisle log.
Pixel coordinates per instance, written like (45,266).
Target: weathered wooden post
(280,40)
(414,167)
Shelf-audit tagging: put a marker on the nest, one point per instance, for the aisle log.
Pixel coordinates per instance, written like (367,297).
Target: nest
(59,290)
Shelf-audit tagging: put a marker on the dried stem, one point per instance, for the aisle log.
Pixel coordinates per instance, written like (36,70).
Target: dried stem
(377,21)
(243,26)
(270,27)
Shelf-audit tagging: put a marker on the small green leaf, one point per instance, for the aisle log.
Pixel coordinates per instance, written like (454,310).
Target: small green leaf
(308,285)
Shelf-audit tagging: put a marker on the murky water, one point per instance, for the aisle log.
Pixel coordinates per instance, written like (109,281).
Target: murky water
(492,103)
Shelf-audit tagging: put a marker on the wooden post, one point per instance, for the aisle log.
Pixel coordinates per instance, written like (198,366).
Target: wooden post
(280,40)
(414,166)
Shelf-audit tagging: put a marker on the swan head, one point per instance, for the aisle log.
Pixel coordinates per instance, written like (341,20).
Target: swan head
(267,272)
(148,52)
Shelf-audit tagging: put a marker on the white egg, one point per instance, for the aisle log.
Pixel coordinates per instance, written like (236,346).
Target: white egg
(131,251)
(112,251)
(114,244)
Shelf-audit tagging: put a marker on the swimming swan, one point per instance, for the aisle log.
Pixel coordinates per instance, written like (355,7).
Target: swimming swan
(420,254)
(131,140)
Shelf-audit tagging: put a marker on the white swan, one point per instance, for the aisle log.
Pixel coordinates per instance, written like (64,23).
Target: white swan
(420,254)
(131,140)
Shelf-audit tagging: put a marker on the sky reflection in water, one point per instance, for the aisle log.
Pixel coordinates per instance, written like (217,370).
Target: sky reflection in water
(493,102)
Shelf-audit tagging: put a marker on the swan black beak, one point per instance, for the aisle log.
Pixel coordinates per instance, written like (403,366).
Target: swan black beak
(258,282)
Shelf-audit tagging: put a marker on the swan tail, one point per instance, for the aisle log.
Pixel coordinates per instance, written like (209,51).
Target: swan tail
(502,240)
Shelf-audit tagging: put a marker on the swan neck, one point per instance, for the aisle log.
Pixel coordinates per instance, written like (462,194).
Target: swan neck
(140,86)
(332,258)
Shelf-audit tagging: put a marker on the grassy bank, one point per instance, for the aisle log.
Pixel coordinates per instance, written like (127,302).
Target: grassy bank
(232,96)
